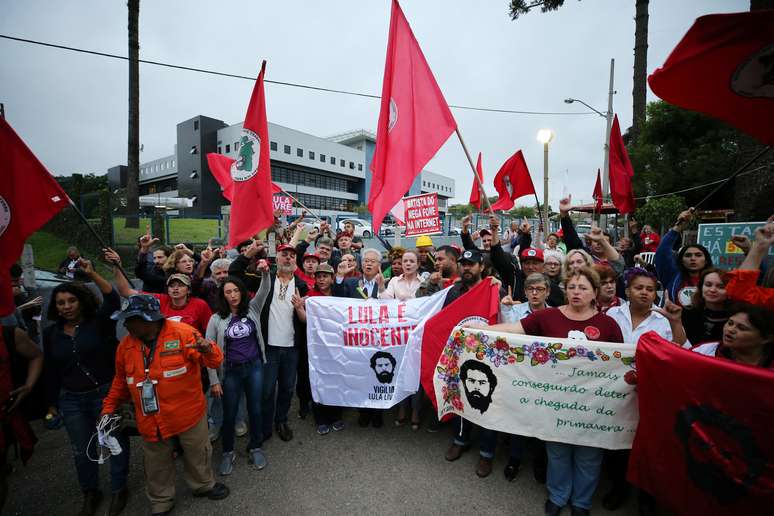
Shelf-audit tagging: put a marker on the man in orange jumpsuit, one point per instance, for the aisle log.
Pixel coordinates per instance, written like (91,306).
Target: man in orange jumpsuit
(158,369)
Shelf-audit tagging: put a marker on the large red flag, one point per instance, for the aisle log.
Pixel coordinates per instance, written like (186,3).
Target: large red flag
(251,187)
(724,67)
(220,166)
(29,197)
(512,181)
(475,191)
(482,302)
(414,120)
(621,172)
(703,444)
(597,195)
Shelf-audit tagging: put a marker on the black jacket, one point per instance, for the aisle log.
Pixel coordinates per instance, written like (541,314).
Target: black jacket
(153,278)
(349,288)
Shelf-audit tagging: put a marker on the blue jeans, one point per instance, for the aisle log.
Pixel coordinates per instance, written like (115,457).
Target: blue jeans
(279,380)
(80,412)
(215,410)
(573,473)
(245,378)
(488,438)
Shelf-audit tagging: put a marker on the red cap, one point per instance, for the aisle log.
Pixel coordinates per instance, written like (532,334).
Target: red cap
(286,247)
(311,255)
(560,233)
(531,253)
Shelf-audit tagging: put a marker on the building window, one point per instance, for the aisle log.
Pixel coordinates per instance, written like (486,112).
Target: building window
(351,165)
(173,163)
(196,125)
(219,150)
(300,152)
(322,158)
(333,160)
(236,146)
(342,163)
(228,148)
(311,154)
(287,149)
(273,145)
(360,167)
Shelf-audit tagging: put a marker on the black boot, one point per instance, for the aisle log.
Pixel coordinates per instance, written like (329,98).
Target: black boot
(118,502)
(91,500)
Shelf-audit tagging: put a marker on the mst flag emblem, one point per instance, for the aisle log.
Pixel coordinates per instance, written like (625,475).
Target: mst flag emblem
(5,215)
(246,165)
(755,77)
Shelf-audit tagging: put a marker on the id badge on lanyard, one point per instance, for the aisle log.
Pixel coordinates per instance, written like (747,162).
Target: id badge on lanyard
(149,400)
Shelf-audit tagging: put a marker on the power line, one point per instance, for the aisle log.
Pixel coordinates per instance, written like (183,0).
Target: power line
(700,186)
(280,83)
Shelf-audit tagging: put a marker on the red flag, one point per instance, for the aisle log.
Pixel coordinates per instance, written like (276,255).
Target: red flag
(414,120)
(597,195)
(481,302)
(220,166)
(621,172)
(703,444)
(29,197)
(724,67)
(475,191)
(250,189)
(512,181)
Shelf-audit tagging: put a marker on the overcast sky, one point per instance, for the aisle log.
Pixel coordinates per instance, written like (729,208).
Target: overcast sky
(71,109)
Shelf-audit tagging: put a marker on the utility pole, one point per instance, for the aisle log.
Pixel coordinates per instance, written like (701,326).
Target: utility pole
(606,170)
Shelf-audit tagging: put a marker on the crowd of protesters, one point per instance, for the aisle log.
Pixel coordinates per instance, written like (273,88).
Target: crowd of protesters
(217,343)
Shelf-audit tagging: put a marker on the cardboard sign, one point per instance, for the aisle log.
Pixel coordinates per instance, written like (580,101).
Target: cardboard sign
(421,215)
(717,239)
(284,203)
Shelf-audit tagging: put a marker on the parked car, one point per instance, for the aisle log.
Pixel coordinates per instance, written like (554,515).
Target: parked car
(310,222)
(455,231)
(362,227)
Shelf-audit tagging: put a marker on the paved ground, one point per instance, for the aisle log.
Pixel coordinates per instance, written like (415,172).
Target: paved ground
(391,471)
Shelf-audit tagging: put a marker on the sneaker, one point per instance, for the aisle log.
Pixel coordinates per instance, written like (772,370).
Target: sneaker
(218,492)
(214,433)
(323,429)
(227,463)
(240,429)
(257,458)
(338,426)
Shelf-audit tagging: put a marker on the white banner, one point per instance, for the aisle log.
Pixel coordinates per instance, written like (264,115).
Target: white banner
(563,390)
(366,353)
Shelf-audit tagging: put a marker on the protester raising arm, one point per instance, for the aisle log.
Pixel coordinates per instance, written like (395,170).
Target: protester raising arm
(741,283)
(153,280)
(673,313)
(467,241)
(608,251)
(665,261)
(122,284)
(500,259)
(571,239)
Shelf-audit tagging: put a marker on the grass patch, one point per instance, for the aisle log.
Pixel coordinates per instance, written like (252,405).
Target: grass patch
(49,250)
(197,231)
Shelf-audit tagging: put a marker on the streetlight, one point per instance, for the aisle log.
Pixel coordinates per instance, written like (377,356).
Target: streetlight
(545,136)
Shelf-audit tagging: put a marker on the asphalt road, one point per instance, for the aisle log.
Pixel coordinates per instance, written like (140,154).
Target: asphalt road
(387,471)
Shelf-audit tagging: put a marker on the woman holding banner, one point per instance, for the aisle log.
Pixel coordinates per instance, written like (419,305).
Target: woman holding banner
(573,470)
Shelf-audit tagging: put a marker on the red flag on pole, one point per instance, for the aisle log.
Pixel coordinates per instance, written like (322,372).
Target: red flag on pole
(597,195)
(414,120)
(482,302)
(621,172)
(703,443)
(220,166)
(29,197)
(512,181)
(475,191)
(250,188)
(723,67)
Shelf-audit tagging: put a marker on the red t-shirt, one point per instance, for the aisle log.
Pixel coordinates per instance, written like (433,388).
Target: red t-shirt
(551,322)
(650,242)
(195,313)
(309,280)
(314,293)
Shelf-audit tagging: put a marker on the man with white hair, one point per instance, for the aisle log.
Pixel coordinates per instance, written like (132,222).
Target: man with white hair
(207,288)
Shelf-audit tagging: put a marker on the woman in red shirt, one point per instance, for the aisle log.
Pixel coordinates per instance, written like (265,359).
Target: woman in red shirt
(573,470)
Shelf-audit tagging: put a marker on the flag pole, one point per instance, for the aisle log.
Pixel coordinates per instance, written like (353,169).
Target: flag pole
(732,176)
(540,213)
(302,205)
(99,238)
(473,168)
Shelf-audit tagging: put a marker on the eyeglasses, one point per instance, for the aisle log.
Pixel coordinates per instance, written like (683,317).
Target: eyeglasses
(535,290)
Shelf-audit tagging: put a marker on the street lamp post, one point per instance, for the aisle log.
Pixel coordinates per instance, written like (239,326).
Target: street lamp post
(545,136)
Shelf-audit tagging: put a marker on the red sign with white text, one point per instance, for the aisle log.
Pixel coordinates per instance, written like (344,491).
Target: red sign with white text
(422,215)
(284,203)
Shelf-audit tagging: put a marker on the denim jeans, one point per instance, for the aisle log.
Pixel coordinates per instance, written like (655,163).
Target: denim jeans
(215,410)
(279,380)
(80,412)
(245,378)
(573,473)
(488,438)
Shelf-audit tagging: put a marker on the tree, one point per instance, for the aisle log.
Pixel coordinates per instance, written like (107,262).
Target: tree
(133,150)
(639,89)
(661,212)
(523,211)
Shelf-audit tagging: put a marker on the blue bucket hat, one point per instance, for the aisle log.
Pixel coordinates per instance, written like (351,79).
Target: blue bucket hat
(139,305)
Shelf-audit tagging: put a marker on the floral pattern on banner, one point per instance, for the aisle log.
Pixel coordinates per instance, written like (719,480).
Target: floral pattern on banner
(499,353)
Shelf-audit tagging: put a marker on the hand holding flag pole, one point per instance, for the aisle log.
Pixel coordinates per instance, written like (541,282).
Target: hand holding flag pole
(473,168)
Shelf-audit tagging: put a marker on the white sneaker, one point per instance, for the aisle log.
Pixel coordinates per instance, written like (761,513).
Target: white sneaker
(240,429)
